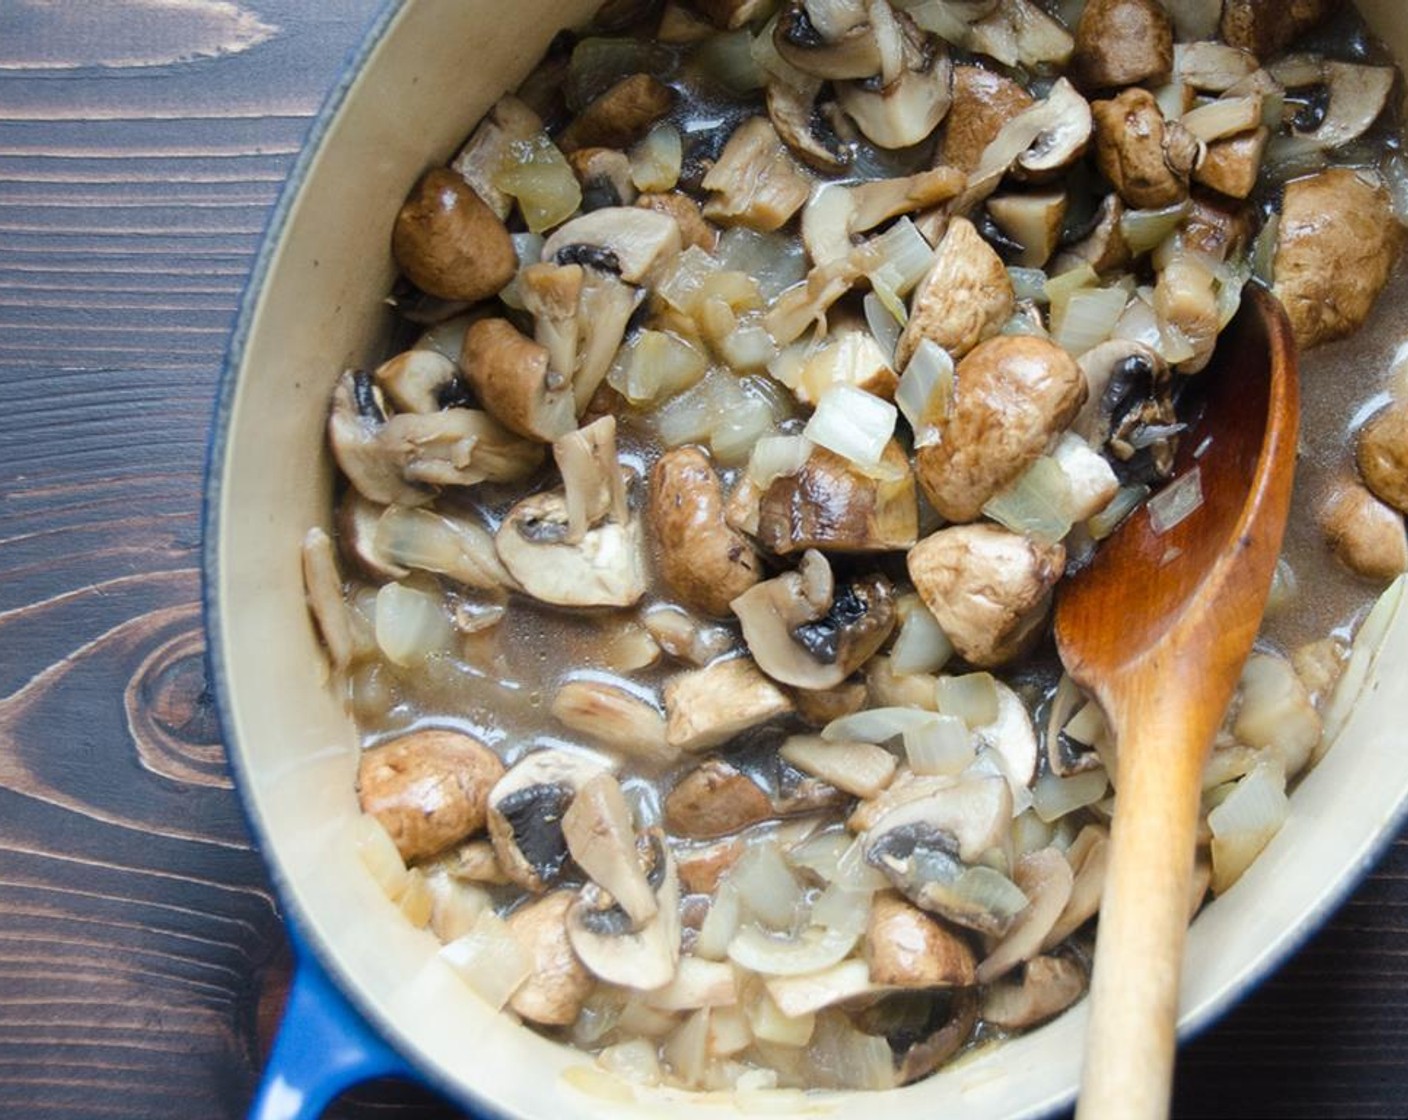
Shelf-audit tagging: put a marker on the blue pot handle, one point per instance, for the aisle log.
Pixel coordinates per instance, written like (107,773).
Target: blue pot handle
(324,1047)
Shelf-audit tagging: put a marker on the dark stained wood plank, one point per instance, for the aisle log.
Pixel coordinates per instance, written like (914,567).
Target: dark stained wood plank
(142,963)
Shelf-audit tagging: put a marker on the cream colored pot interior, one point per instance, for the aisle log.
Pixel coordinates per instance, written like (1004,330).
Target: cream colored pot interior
(441,65)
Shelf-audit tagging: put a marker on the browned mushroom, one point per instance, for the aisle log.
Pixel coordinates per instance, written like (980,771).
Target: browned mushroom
(429,789)
(613,717)
(708,707)
(702,561)
(1147,159)
(1367,535)
(449,242)
(694,230)
(983,101)
(558,984)
(1048,985)
(908,948)
(715,799)
(1337,243)
(1232,165)
(966,297)
(1264,27)
(1123,43)
(620,116)
(756,182)
(1382,453)
(511,375)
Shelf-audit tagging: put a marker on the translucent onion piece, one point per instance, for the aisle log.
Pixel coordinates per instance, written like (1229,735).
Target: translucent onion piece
(880,725)
(775,261)
(766,886)
(942,747)
(489,959)
(416,900)
(1037,505)
(1264,251)
(430,542)
(1363,656)
(656,160)
(922,645)
(884,326)
(972,698)
(720,924)
(1245,822)
(925,393)
(1059,289)
(692,416)
(727,57)
(1125,502)
(1053,796)
(1143,230)
(1176,502)
(842,1057)
(1088,318)
(1028,284)
(537,174)
(902,257)
(844,909)
(380,856)
(816,948)
(775,457)
(634,1061)
(599,62)
(656,365)
(853,423)
(456,906)
(681,285)
(1139,323)
(770,1024)
(739,430)
(747,349)
(697,983)
(820,853)
(410,625)
(687,1050)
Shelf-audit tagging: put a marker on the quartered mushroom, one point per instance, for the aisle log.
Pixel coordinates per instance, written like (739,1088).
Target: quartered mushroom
(829,504)
(613,717)
(1019,33)
(1103,246)
(964,299)
(1381,451)
(629,241)
(707,707)
(448,241)
(907,947)
(428,789)
(688,214)
(1345,102)
(805,630)
(620,116)
(1033,220)
(989,589)
(859,769)
(605,177)
(1129,411)
(755,182)
(1047,986)
(593,480)
(1232,165)
(831,41)
(903,109)
(512,375)
(558,984)
(1074,727)
(715,799)
(1147,159)
(611,945)
(984,101)
(600,833)
(1265,27)
(357,521)
(421,381)
(525,811)
(1123,43)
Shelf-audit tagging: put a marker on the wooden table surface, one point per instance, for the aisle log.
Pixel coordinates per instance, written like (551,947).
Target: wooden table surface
(142,960)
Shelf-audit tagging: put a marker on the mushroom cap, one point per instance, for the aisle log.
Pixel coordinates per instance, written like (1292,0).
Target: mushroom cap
(983,101)
(964,299)
(559,984)
(1382,454)
(908,948)
(715,799)
(449,243)
(510,375)
(1123,43)
(606,568)
(851,52)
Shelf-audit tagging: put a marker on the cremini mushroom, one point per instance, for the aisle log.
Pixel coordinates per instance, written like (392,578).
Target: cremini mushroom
(627,241)
(702,561)
(421,381)
(512,375)
(357,520)
(620,116)
(1265,27)
(1103,247)
(1366,535)
(818,707)
(1047,986)
(1046,878)
(1012,396)
(525,811)
(613,717)
(1129,409)
(836,212)
(1347,100)
(964,299)
(1232,165)
(606,568)
(903,109)
(908,948)
(715,799)
(848,354)
(1336,245)
(558,984)
(1147,159)
(792,110)
(707,707)
(619,951)
(1034,220)
(1019,33)
(1123,43)
(1381,450)
(593,481)
(600,833)
(684,637)
(688,215)
(448,241)
(808,631)
(830,505)
(990,589)
(605,178)
(859,769)
(429,789)
(755,182)
(983,102)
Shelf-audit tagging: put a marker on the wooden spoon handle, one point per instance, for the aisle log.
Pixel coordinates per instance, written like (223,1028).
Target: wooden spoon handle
(1129,1052)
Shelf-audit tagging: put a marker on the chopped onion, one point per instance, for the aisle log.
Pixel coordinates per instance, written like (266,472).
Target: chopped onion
(1091,481)
(692,416)
(687,1050)
(634,1061)
(1059,289)
(1176,502)
(537,174)
(1264,252)
(489,959)
(720,924)
(1053,796)
(1246,821)
(816,948)
(940,18)
(880,725)
(1087,318)
(449,546)
(455,906)
(774,260)
(656,160)
(1292,157)
(770,1024)
(902,257)
(853,872)
(842,1057)
(1285,589)
(922,645)
(1037,505)
(853,423)
(748,348)
(1143,230)
(1126,501)
(820,853)
(941,747)
(1088,725)
(528,248)
(885,326)
(697,983)
(1139,323)
(416,900)
(1028,284)
(380,856)
(727,58)
(739,430)
(775,457)
(925,393)
(972,698)
(681,285)
(1227,116)
(844,909)
(766,886)
(410,625)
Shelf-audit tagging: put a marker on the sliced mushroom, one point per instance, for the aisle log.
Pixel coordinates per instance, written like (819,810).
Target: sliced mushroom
(1147,159)
(1018,33)
(357,521)
(793,113)
(607,942)
(479,160)
(989,589)
(601,838)
(512,376)
(902,111)
(322,584)
(1089,857)
(1047,987)
(694,230)
(525,810)
(558,984)
(965,298)
(804,630)
(1129,409)
(1034,221)
(973,813)
(1366,535)
(1012,396)
(421,381)
(627,241)
(831,506)
(552,294)
(1104,248)
(715,799)
(1046,879)
(1265,27)
(1233,165)
(593,483)
(1381,451)
(685,637)
(907,948)
(429,789)
(708,707)
(615,718)
(1123,43)
(449,243)
(1357,96)
(817,708)
(620,116)
(605,177)
(1012,736)
(983,102)
(859,769)
(755,182)
(476,862)
(702,561)
(843,46)
(836,213)
(605,569)
(1069,754)
(1336,246)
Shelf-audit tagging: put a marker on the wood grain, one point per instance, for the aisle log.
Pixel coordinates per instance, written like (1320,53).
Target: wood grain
(142,961)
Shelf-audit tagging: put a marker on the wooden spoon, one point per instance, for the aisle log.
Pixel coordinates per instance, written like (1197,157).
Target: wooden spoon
(1158,629)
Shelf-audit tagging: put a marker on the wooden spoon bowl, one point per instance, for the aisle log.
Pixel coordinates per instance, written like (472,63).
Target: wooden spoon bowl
(1158,629)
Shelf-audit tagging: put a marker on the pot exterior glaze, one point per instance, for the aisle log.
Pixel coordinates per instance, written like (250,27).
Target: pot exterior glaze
(430,69)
